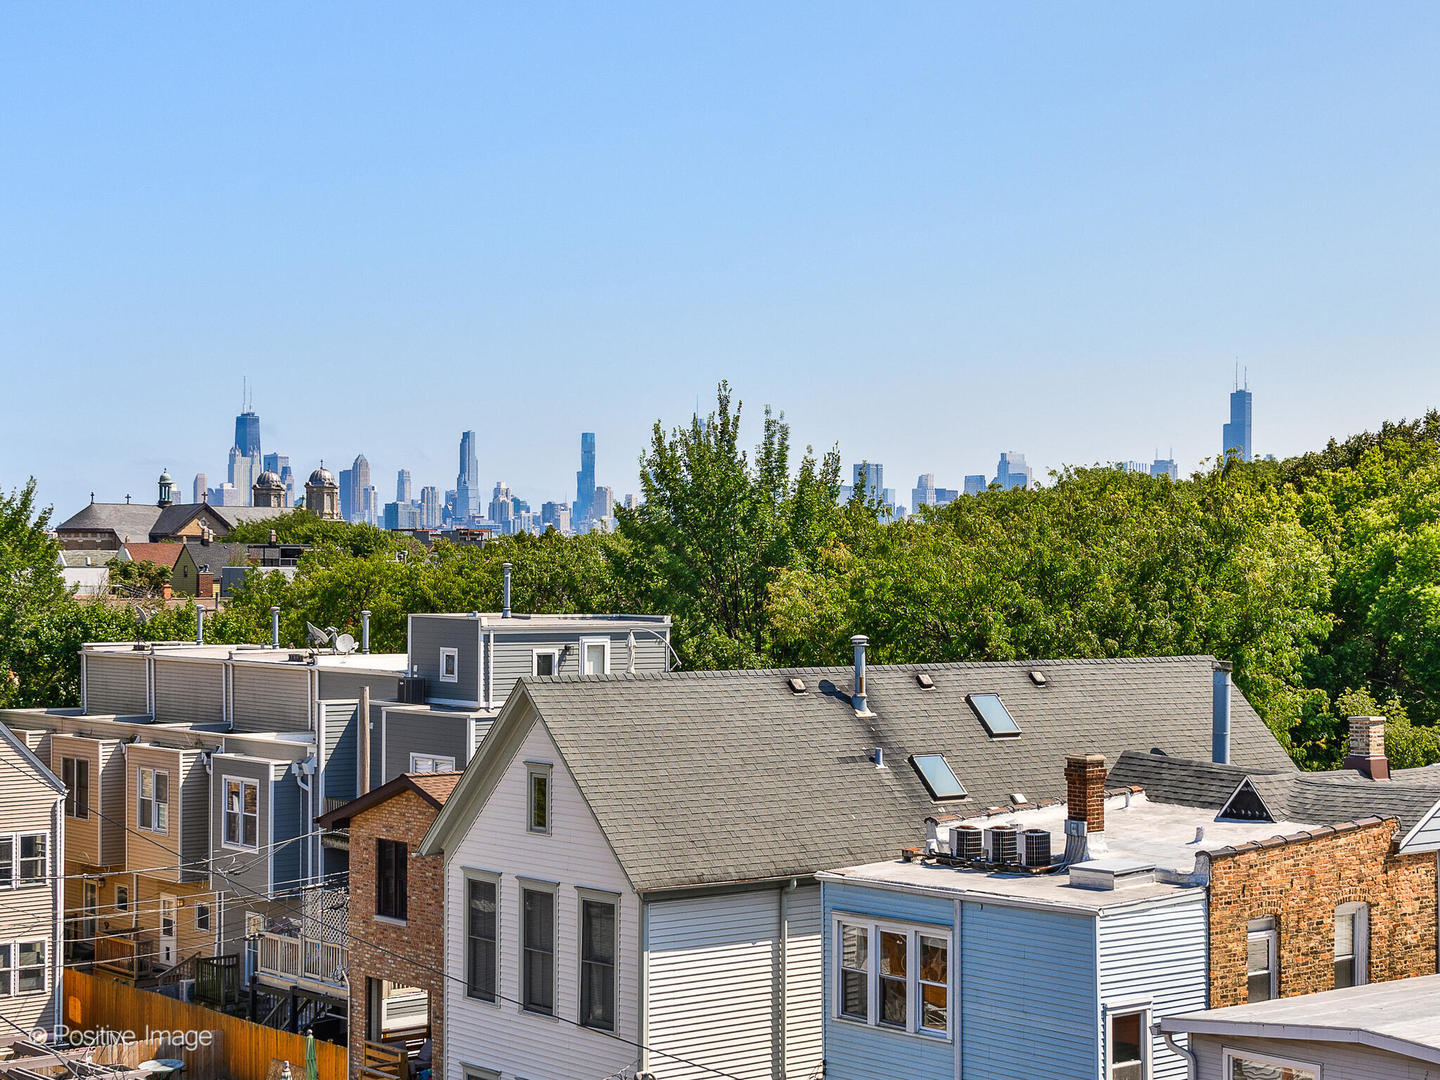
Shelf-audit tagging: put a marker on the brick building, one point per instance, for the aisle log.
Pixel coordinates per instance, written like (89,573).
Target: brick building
(396,914)
(1315,902)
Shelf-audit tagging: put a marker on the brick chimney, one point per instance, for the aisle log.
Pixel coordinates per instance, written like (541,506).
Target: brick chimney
(1367,747)
(1084,806)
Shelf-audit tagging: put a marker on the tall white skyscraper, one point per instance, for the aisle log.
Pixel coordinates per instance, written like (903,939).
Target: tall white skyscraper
(402,486)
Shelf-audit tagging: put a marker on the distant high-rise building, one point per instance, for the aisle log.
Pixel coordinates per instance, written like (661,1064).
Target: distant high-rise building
(556,515)
(924,493)
(400,515)
(603,506)
(502,507)
(199,492)
(247,433)
(402,486)
(1165,467)
(1012,472)
(945,496)
(370,505)
(347,492)
(430,508)
(585,480)
(975,484)
(360,508)
(632,501)
(467,482)
(872,476)
(1235,436)
(279,464)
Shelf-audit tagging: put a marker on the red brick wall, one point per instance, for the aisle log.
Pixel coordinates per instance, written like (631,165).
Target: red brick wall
(1300,883)
(406,817)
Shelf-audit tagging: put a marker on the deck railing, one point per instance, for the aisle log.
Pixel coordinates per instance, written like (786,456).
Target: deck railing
(302,960)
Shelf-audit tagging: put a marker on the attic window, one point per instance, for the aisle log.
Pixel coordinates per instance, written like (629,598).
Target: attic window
(938,777)
(796,684)
(1038,678)
(993,714)
(924,681)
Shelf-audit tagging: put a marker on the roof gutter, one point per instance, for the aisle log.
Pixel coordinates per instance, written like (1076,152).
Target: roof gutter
(719,888)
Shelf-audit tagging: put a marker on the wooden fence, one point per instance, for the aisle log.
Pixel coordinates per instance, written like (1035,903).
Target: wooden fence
(238,1050)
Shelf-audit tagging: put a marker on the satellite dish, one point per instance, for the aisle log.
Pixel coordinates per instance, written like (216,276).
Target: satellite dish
(345,643)
(316,635)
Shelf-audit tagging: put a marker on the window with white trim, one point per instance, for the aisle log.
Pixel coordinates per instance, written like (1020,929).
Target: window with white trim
(537,787)
(431,763)
(152,804)
(537,949)
(1262,952)
(75,774)
(449,665)
(122,897)
(545,662)
(1247,1065)
(470,1072)
(29,967)
(1127,1044)
(202,915)
(598,922)
(7,862)
(7,969)
(242,813)
(893,975)
(482,914)
(594,656)
(34,860)
(1352,945)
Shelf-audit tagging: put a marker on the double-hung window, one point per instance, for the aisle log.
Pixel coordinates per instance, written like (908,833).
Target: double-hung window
(29,967)
(34,858)
(242,812)
(481,923)
(152,808)
(7,969)
(1246,1065)
(1127,1044)
(7,862)
(594,656)
(1262,949)
(893,975)
(75,773)
(537,949)
(597,961)
(390,879)
(1352,945)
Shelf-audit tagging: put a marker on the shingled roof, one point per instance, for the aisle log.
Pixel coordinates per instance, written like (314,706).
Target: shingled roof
(128,521)
(710,777)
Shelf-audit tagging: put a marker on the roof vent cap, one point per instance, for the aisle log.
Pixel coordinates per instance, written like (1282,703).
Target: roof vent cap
(796,684)
(1038,678)
(924,681)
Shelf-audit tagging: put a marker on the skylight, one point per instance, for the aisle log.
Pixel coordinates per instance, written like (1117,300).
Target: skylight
(935,771)
(993,714)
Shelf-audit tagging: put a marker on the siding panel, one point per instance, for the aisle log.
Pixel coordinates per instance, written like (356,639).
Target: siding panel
(270,697)
(115,684)
(414,732)
(428,636)
(342,739)
(188,692)
(804,983)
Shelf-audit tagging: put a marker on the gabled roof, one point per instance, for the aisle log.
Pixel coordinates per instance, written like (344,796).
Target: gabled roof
(128,521)
(1182,781)
(711,777)
(434,788)
(87,556)
(27,757)
(161,554)
(218,554)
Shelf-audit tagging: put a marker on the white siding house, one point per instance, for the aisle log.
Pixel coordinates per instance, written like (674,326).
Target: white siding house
(32,850)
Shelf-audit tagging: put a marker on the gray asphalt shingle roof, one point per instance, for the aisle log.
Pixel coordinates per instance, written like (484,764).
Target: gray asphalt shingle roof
(128,521)
(1182,781)
(709,777)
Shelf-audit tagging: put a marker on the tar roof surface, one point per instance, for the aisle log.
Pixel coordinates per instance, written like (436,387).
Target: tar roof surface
(707,777)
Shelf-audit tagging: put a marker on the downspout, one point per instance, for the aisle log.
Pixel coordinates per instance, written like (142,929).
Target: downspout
(490,672)
(217,910)
(302,780)
(1191,1066)
(781,1061)
(57,886)
(957,977)
(362,783)
(84,692)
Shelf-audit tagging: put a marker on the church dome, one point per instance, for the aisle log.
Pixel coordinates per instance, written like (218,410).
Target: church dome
(322,477)
(268,479)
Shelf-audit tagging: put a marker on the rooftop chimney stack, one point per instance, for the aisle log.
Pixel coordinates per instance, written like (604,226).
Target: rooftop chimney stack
(365,631)
(1367,747)
(275,627)
(505,608)
(858,697)
(1220,713)
(1085,806)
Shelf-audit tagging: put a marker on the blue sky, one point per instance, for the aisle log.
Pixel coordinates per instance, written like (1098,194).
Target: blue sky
(927,232)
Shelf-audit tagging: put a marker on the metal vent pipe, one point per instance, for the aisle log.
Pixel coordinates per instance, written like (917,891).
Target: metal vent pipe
(505,607)
(365,631)
(275,627)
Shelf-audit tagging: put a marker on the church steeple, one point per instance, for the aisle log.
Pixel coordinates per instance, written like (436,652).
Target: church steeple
(167,489)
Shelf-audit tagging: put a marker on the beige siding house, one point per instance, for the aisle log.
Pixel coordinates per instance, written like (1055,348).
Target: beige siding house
(32,844)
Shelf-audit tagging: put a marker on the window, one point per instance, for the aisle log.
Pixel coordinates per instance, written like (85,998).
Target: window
(537,950)
(168,908)
(29,967)
(935,771)
(993,714)
(537,782)
(242,812)
(449,665)
(1127,1045)
(7,967)
(75,773)
(470,1072)
(152,810)
(545,662)
(481,904)
(1352,945)
(1248,1066)
(595,654)
(431,763)
(33,862)
(202,915)
(390,870)
(122,898)
(1262,943)
(7,862)
(893,976)
(597,963)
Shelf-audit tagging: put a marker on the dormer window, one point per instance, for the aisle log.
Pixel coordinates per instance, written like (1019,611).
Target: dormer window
(449,665)
(993,714)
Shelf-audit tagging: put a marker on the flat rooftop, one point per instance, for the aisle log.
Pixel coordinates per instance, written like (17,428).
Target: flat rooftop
(385,663)
(541,622)
(1401,1016)
(1137,832)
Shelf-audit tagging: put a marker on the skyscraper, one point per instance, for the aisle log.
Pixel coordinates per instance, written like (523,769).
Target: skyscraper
(402,486)
(361,507)
(585,480)
(1012,472)
(923,493)
(279,464)
(198,489)
(1235,436)
(247,433)
(872,476)
(975,484)
(430,507)
(346,492)
(467,482)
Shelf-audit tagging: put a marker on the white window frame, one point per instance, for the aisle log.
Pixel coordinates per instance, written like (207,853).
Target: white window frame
(585,896)
(552,889)
(7,969)
(554,655)
(1230,1054)
(493,880)
(244,782)
(203,907)
(913,1000)
(8,868)
(154,800)
(436,763)
(43,965)
(1272,940)
(585,643)
(125,905)
(1359,914)
(474,1072)
(447,653)
(21,881)
(1141,1007)
(532,770)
